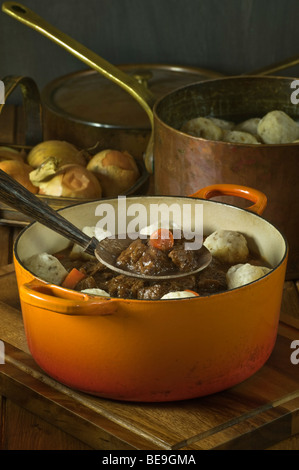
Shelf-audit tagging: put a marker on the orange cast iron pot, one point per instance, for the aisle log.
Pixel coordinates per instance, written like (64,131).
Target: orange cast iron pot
(162,350)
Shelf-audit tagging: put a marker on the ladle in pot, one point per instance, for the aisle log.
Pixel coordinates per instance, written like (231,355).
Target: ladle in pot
(106,250)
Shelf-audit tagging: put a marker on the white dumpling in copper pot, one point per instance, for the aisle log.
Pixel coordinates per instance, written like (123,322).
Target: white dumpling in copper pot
(202,127)
(277,127)
(222,123)
(240,137)
(250,126)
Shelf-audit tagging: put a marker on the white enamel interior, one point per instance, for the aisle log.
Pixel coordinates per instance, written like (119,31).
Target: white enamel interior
(261,235)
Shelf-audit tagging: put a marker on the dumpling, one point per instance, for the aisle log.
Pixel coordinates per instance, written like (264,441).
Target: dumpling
(203,127)
(239,137)
(250,126)
(278,128)
(222,123)
(242,274)
(96,291)
(178,295)
(46,267)
(227,246)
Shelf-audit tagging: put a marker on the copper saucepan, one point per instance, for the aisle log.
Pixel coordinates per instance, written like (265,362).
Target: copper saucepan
(161,350)
(183,163)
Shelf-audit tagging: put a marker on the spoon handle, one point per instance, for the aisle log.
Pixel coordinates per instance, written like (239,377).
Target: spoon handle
(18,197)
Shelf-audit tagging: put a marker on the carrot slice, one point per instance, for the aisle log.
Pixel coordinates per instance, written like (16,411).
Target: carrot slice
(162,239)
(72,278)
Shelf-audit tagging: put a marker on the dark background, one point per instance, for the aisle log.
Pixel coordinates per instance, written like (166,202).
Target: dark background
(229,36)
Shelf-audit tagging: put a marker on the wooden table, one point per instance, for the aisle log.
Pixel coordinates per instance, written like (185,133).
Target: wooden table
(36,412)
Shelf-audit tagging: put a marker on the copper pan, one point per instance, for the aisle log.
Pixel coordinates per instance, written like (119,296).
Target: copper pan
(183,163)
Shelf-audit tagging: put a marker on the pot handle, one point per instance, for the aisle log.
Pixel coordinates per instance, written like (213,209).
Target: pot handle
(259,198)
(65,301)
(31,106)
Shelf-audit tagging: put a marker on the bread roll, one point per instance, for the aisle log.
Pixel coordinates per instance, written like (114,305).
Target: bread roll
(19,171)
(72,181)
(116,171)
(62,151)
(8,153)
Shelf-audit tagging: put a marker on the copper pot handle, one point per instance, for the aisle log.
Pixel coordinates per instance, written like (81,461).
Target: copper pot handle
(31,105)
(65,301)
(130,84)
(259,198)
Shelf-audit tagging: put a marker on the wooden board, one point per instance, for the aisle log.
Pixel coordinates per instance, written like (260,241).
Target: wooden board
(259,413)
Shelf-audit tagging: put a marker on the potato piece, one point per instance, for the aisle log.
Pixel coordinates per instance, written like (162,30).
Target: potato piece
(227,246)
(242,274)
(250,126)
(278,128)
(239,137)
(202,127)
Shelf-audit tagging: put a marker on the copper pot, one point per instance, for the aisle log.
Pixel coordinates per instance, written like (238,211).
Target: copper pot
(162,350)
(183,162)
(117,120)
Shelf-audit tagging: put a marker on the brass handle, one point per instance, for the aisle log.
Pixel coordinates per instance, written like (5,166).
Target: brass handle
(140,93)
(31,104)
(129,83)
(284,64)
